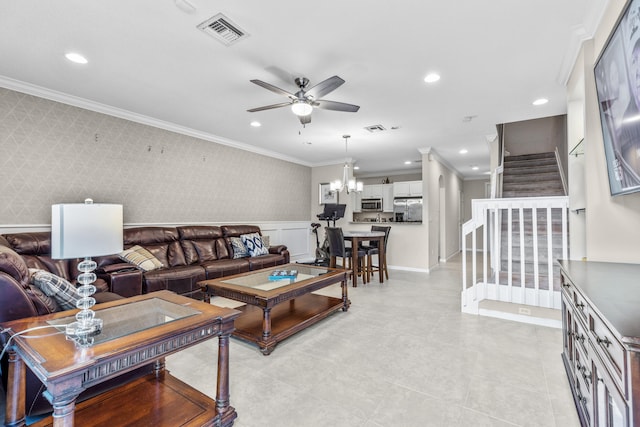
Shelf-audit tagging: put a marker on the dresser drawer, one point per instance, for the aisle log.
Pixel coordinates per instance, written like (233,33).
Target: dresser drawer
(610,350)
(580,335)
(567,287)
(584,384)
(582,308)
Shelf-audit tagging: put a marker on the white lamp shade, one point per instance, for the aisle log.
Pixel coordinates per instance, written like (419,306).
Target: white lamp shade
(80,230)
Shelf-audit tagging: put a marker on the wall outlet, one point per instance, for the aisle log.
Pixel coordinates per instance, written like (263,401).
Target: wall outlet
(524,310)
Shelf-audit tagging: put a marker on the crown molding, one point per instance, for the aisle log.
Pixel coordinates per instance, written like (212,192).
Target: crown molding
(432,153)
(64,98)
(579,34)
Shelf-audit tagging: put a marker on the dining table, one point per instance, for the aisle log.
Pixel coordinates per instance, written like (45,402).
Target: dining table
(357,237)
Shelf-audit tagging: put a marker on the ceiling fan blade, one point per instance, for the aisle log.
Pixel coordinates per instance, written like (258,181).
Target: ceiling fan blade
(305,120)
(273,88)
(324,87)
(269,107)
(336,106)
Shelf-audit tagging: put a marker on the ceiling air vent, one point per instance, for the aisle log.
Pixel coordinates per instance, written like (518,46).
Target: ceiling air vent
(375,128)
(223,29)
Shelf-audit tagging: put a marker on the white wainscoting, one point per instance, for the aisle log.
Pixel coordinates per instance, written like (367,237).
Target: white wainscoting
(296,235)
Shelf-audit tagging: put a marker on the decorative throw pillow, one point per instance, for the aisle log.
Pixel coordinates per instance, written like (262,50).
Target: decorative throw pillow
(254,244)
(239,249)
(141,258)
(56,287)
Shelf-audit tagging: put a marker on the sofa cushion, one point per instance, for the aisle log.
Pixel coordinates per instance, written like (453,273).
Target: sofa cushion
(13,264)
(141,258)
(239,249)
(43,302)
(265,261)
(226,267)
(34,243)
(181,280)
(57,287)
(254,244)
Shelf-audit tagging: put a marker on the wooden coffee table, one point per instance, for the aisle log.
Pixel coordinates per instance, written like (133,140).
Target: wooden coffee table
(275,310)
(137,331)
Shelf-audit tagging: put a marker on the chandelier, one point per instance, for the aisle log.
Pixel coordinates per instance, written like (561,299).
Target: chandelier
(346,184)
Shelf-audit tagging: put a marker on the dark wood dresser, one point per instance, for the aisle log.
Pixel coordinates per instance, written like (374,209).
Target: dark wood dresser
(601,340)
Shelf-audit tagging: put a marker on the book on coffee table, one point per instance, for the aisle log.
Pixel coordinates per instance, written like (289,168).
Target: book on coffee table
(283,274)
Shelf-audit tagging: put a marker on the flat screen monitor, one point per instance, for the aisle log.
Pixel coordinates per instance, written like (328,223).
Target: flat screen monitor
(333,211)
(617,76)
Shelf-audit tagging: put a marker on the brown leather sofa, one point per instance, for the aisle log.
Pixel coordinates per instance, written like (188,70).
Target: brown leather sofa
(189,254)
(19,299)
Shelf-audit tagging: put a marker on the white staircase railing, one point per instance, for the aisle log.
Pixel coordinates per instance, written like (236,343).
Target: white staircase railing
(510,278)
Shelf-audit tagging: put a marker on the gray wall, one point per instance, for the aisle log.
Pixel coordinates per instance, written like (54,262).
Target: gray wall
(55,153)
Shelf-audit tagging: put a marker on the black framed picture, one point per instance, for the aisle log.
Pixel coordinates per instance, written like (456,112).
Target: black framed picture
(326,195)
(617,75)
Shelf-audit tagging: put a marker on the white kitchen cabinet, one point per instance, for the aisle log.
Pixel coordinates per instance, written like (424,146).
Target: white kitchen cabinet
(415,188)
(407,189)
(372,191)
(356,199)
(387,197)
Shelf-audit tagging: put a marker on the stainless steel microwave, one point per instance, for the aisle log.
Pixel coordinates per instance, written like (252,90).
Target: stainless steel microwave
(371,205)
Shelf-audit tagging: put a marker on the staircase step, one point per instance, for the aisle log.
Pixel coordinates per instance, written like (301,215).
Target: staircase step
(531,156)
(512,176)
(509,194)
(529,279)
(532,185)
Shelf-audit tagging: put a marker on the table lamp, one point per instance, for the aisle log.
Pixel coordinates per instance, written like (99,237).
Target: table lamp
(85,230)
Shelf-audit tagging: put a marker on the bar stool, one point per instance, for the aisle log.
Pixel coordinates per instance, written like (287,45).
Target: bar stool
(373,249)
(338,249)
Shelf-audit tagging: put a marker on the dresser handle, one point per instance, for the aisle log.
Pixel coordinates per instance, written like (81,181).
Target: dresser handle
(604,341)
(581,338)
(582,399)
(580,305)
(583,370)
(566,285)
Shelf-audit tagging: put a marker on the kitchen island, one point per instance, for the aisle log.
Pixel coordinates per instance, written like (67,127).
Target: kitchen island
(407,246)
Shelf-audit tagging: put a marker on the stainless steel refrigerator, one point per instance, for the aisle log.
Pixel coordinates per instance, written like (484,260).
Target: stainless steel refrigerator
(407,209)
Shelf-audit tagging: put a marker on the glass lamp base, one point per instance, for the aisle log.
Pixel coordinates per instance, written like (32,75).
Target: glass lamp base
(82,333)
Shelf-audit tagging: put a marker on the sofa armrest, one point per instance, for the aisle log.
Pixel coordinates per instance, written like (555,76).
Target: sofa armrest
(123,279)
(278,249)
(112,268)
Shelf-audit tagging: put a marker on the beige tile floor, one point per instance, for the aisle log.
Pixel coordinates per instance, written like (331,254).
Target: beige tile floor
(403,355)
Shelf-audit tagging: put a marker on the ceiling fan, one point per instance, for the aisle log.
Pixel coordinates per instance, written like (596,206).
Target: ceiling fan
(303,101)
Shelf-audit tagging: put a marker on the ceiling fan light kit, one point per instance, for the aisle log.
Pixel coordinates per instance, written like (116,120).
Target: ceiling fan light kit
(303,101)
(301,108)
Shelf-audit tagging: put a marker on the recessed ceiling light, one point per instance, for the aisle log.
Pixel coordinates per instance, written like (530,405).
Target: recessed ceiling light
(432,78)
(463,151)
(256,124)
(356,168)
(475,168)
(76,57)
(408,162)
(540,101)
